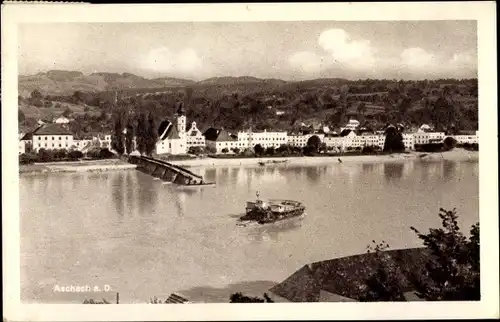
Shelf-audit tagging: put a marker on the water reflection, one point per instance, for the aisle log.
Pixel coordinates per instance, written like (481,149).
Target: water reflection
(273,231)
(147,196)
(367,168)
(393,171)
(118,194)
(313,174)
(449,169)
(210,175)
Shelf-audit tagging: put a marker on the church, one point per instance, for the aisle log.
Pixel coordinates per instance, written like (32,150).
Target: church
(172,135)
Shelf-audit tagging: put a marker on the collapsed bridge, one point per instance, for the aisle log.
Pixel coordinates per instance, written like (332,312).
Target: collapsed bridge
(166,171)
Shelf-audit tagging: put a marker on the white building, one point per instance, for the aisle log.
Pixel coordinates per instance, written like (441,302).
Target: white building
(300,140)
(52,137)
(249,139)
(467,138)
(422,137)
(61,120)
(172,138)
(220,139)
(351,125)
(194,137)
(22,147)
(409,141)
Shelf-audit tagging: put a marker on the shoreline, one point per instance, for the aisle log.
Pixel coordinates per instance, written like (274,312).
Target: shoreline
(456,155)
(75,166)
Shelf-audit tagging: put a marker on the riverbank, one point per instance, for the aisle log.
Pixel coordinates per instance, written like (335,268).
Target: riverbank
(76,166)
(457,154)
(453,155)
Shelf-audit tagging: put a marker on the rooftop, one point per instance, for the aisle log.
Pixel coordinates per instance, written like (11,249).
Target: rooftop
(345,278)
(52,129)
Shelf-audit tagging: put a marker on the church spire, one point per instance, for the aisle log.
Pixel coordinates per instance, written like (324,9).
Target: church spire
(180,110)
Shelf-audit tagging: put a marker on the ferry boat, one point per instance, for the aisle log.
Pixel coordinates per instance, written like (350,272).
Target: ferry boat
(272,210)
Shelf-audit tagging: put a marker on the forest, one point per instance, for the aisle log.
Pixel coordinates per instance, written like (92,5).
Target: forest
(449,105)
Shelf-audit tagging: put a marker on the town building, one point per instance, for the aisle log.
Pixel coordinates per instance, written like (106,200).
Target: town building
(26,143)
(409,141)
(423,137)
(52,137)
(466,138)
(220,139)
(172,135)
(250,139)
(351,125)
(194,137)
(300,140)
(61,120)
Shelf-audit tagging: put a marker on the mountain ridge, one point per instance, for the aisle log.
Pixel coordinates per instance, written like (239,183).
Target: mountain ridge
(66,82)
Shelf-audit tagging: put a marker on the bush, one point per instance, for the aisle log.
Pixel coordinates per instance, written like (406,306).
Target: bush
(28,158)
(211,149)
(45,155)
(369,149)
(269,151)
(240,298)
(225,150)
(196,150)
(429,147)
(247,153)
(75,155)
(100,153)
(105,154)
(60,154)
(258,149)
(236,150)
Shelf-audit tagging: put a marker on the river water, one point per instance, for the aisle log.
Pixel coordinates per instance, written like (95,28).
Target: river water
(143,238)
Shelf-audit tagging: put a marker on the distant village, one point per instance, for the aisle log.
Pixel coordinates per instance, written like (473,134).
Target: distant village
(175,139)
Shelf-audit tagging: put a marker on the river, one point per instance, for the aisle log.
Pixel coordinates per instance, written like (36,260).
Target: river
(144,238)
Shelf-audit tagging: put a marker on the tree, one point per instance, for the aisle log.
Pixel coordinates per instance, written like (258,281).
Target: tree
(393,140)
(449,143)
(453,267)
(314,142)
(141,133)
(258,149)
(36,95)
(117,138)
(129,138)
(20,116)
(236,150)
(67,112)
(151,135)
(240,298)
(225,150)
(451,271)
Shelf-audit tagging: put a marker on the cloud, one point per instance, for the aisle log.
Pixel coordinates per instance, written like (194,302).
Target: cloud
(464,60)
(344,50)
(418,59)
(162,59)
(345,56)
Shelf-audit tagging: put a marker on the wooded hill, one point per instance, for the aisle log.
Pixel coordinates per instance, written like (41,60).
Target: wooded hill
(241,102)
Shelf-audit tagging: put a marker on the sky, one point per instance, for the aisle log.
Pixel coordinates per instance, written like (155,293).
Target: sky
(287,50)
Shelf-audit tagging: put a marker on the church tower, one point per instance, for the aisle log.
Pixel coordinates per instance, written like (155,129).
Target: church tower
(181,121)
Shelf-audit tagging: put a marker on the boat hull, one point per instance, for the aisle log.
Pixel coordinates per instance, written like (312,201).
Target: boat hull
(264,216)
